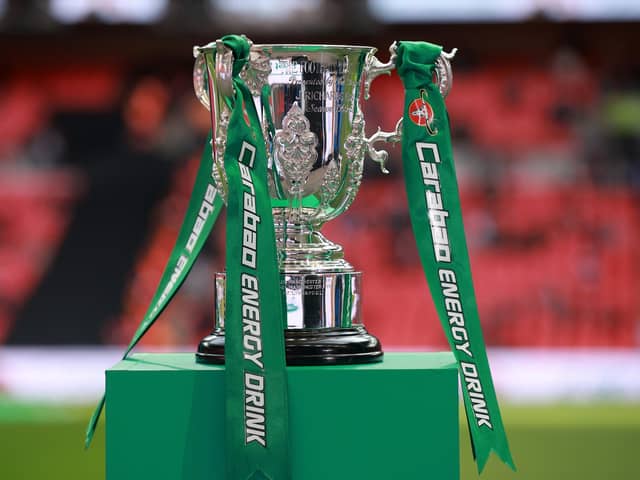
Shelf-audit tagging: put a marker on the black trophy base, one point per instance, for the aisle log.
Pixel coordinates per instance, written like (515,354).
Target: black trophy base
(323,346)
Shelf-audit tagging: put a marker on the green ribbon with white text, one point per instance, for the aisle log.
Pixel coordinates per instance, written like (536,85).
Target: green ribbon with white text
(256,405)
(255,374)
(202,212)
(434,209)
(257,430)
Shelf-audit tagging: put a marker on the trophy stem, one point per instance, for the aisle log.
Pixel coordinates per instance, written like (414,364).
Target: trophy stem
(303,249)
(297,207)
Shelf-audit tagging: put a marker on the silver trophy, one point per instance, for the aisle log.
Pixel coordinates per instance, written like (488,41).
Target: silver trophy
(308,99)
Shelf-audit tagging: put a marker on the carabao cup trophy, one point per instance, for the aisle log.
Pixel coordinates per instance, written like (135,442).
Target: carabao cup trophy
(308,98)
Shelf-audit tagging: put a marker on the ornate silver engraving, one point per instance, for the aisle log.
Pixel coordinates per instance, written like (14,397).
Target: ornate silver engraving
(296,149)
(355,147)
(356,144)
(330,184)
(256,72)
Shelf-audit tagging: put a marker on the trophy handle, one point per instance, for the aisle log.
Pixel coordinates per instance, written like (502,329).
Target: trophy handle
(374,68)
(207,90)
(223,84)
(199,78)
(381,156)
(444,74)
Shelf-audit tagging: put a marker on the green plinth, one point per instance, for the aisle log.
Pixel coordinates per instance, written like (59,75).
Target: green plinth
(392,420)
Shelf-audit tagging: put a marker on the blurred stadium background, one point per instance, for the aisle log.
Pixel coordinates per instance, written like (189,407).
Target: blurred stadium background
(100,136)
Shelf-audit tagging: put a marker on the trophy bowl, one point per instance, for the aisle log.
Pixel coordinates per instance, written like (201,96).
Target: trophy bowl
(308,102)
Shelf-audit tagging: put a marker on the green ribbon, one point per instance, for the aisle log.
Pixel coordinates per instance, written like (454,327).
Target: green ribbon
(257,429)
(256,401)
(434,208)
(203,209)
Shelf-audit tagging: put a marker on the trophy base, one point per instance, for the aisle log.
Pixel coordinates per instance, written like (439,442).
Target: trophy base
(323,346)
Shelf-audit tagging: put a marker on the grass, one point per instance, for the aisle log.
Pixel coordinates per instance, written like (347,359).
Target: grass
(567,442)
(548,442)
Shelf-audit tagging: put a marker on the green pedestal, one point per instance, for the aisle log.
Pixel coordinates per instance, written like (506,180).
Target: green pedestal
(392,420)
